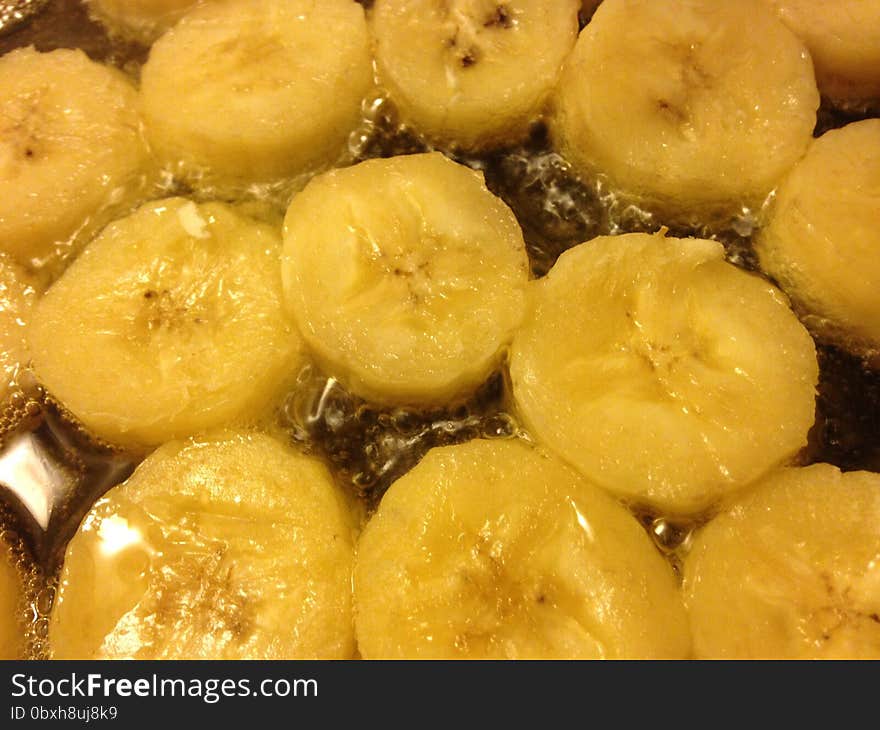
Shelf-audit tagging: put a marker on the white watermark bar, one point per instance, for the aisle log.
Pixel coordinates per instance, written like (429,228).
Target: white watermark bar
(452,695)
(209,690)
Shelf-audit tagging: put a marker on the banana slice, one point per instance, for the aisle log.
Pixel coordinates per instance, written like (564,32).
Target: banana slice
(844,41)
(662,372)
(492,550)
(472,72)
(792,571)
(821,241)
(406,276)
(169,323)
(11,606)
(71,149)
(141,20)
(684,109)
(232,548)
(17,296)
(252,91)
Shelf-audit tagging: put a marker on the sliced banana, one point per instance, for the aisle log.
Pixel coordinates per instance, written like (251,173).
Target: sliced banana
(169,323)
(406,276)
(492,550)
(232,548)
(663,373)
(844,41)
(822,239)
(142,20)
(681,107)
(792,571)
(472,72)
(18,292)
(12,616)
(71,149)
(241,92)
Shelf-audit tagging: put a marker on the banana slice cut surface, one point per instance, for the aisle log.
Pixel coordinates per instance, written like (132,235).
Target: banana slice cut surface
(233,548)
(71,149)
(822,239)
(406,276)
(662,372)
(472,72)
(844,42)
(252,91)
(17,296)
(680,107)
(142,20)
(792,571)
(169,323)
(12,606)
(492,550)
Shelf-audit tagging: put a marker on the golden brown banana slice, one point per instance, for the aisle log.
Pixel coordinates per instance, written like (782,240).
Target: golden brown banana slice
(791,571)
(18,292)
(663,373)
(472,72)
(242,92)
(171,322)
(232,548)
(406,276)
(72,151)
(492,550)
(682,108)
(821,241)
(844,41)
(142,20)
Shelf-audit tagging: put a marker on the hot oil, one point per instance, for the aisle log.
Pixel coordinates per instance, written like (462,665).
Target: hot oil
(51,472)
(36,595)
(54,470)
(370,446)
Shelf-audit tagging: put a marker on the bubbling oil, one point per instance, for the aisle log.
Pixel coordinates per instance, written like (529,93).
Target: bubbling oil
(51,472)
(37,593)
(369,446)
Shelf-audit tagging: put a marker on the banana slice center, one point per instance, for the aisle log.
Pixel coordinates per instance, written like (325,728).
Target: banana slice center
(171,308)
(181,579)
(19,141)
(470,29)
(691,85)
(841,616)
(514,607)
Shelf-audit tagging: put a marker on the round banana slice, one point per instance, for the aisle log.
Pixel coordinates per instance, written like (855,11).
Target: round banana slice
(233,548)
(169,323)
(844,41)
(662,372)
(792,571)
(17,296)
(71,149)
(254,91)
(472,72)
(141,20)
(406,276)
(682,107)
(11,606)
(822,239)
(492,550)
